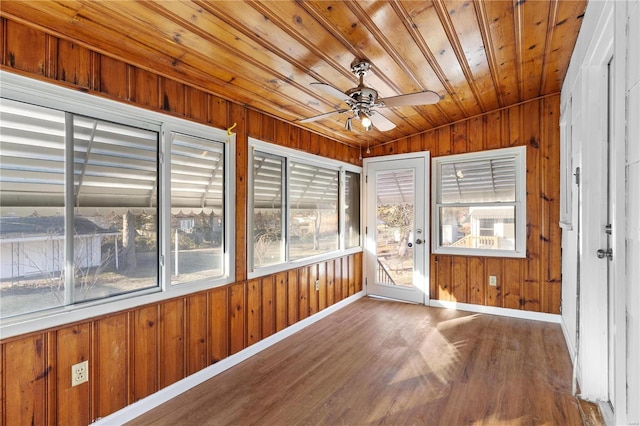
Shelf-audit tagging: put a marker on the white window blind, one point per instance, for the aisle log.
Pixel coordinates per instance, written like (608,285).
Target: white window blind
(197,172)
(114,165)
(478,181)
(32,156)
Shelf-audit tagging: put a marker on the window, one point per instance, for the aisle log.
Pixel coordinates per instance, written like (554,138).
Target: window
(352,209)
(313,210)
(197,208)
(115,209)
(479,203)
(303,207)
(82,212)
(268,209)
(108,218)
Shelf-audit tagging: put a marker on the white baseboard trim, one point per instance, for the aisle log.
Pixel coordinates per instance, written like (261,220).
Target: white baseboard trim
(138,408)
(607,412)
(505,312)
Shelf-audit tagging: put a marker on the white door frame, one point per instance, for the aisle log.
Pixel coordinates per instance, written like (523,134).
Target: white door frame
(606,32)
(593,362)
(424,224)
(622,42)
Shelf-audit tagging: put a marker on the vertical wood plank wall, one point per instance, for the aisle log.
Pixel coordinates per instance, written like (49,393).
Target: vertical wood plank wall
(532,283)
(137,352)
(140,351)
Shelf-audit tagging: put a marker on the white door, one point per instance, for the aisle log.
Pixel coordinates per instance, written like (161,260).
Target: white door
(608,250)
(396,227)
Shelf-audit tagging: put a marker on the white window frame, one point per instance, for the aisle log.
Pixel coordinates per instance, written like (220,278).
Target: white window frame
(343,202)
(193,129)
(311,159)
(519,155)
(28,90)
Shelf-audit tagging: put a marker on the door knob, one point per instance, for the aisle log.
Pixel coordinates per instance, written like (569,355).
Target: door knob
(418,241)
(602,253)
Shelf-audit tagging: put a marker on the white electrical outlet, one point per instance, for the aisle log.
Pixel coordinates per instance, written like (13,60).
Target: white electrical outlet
(493,280)
(79,373)
(317,285)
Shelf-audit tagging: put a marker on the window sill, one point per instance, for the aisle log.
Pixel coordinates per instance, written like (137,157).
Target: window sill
(272,269)
(479,253)
(56,317)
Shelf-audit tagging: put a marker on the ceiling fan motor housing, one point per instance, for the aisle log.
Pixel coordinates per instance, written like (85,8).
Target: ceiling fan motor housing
(361,99)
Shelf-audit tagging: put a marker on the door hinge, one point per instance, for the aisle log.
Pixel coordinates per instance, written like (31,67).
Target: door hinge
(366,178)
(366,230)
(577,175)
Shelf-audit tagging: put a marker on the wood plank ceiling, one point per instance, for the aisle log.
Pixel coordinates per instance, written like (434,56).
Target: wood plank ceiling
(477,55)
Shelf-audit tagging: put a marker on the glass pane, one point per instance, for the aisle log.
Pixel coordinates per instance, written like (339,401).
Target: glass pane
(197,211)
(478,227)
(487,180)
(395,218)
(313,210)
(116,199)
(268,211)
(352,209)
(32,224)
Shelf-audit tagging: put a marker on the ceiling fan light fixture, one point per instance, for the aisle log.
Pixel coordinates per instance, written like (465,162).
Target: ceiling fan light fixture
(348,125)
(365,120)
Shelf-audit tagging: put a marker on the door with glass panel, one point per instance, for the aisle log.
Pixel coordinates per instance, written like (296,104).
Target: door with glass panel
(397,237)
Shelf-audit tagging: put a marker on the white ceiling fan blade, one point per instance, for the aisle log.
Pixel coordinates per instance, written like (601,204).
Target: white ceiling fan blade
(321,116)
(330,90)
(421,98)
(381,122)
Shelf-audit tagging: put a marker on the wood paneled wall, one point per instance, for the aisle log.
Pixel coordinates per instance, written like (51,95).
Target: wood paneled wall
(137,352)
(532,283)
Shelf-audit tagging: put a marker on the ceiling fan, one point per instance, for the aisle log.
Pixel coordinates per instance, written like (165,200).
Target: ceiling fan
(363,101)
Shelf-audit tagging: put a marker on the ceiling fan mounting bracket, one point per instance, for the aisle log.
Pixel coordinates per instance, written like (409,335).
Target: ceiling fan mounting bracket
(360,67)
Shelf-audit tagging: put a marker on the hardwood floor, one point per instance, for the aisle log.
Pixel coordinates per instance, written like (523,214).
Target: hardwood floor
(383,362)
